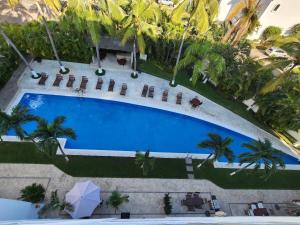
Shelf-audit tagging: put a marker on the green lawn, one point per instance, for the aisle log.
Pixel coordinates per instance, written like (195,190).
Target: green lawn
(83,166)
(206,90)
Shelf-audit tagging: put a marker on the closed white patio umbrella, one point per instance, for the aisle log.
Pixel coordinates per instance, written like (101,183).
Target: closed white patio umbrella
(84,197)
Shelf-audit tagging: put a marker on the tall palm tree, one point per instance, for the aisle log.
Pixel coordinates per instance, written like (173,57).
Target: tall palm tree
(15,121)
(262,152)
(145,162)
(245,13)
(193,15)
(10,43)
(219,147)
(47,135)
(141,21)
(204,60)
(63,69)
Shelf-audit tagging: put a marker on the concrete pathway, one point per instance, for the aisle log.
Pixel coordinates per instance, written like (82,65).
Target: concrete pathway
(145,194)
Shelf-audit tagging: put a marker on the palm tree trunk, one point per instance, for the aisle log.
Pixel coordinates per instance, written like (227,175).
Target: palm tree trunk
(98,59)
(178,57)
(63,153)
(241,169)
(200,164)
(63,69)
(134,57)
(9,42)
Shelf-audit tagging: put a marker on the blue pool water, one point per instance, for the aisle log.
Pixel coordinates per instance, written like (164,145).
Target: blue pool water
(110,125)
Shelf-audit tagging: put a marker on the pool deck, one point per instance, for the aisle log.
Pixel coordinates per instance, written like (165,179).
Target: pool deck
(208,111)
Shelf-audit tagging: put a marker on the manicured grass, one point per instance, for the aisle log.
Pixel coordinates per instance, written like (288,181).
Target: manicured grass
(288,179)
(84,166)
(206,90)
(81,166)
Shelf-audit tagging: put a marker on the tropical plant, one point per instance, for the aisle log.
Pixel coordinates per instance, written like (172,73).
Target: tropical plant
(262,154)
(243,20)
(271,32)
(204,60)
(195,16)
(47,135)
(145,162)
(15,121)
(219,147)
(141,21)
(116,199)
(56,204)
(167,204)
(34,193)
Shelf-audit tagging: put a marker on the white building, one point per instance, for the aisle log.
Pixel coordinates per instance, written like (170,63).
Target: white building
(280,13)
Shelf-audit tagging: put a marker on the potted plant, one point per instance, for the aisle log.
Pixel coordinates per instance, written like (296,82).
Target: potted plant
(116,199)
(34,193)
(167,204)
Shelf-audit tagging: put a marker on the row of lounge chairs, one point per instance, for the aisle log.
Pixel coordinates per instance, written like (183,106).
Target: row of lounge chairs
(147,91)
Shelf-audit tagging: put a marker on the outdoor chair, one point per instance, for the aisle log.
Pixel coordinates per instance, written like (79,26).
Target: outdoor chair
(122,61)
(111,85)
(71,81)
(83,83)
(145,90)
(151,92)
(99,83)
(43,79)
(123,89)
(179,98)
(57,80)
(165,96)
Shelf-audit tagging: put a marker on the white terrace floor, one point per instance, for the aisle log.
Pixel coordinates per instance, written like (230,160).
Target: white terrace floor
(208,111)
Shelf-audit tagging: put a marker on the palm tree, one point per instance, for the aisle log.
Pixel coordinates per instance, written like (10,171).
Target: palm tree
(204,60)
(63,69)
(219,147)
(140,22)
(116,199)
(194,15)
(262,152)
(10,43)
(245,13)
(145,162)
(15,121)
(47,135)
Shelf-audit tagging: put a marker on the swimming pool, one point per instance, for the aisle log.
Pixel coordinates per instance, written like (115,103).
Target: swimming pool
(116,126)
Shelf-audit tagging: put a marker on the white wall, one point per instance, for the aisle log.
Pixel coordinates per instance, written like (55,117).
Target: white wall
(287,15)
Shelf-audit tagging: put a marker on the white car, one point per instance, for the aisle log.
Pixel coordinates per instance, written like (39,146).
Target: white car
(166,2)
(276,52)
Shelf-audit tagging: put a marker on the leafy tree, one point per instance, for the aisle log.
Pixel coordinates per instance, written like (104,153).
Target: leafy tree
(195,16)
(271,32)
(47,135)
(247,22)
(15,121)
(219,147)
(262,154)
(204,61)
(116,199)
(145,162)
(140,22)
(34,193)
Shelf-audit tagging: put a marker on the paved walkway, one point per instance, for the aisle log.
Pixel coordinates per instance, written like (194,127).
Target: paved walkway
(145,194)
(208,111)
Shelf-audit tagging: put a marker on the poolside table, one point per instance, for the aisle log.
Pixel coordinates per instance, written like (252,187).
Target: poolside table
(195,102)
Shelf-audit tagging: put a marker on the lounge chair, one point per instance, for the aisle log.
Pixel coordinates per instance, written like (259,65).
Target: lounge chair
(165,96)
(43,79)
(145,90)
(57,80)
(71,81)
(179,98)
(151,92)
(111,85)
(83,83)
(123,89)
(99,83)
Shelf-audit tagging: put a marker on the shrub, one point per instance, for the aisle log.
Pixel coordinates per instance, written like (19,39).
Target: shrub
(271,32)
(34,193)
(167,204)
(295,29)
(116,199)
